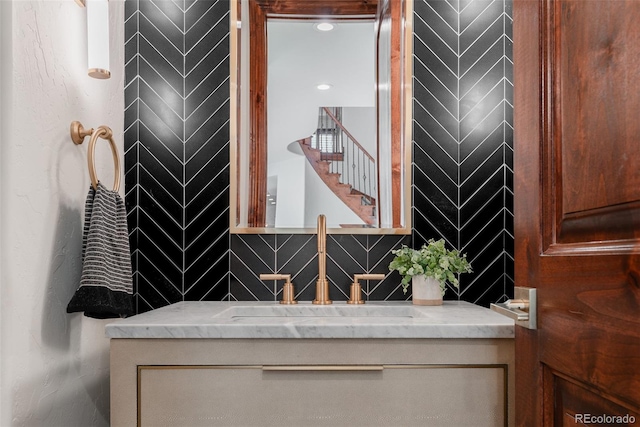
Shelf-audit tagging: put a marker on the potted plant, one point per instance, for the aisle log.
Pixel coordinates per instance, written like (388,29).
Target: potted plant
(429,268)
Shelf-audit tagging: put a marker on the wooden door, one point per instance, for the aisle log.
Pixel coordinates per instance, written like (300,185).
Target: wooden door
(577,210)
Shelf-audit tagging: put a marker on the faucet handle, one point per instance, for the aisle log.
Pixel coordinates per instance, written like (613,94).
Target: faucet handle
(356,290)
(288,295)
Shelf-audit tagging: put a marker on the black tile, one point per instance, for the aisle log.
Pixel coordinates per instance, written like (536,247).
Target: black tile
(446,203)
(243,292)
(483,97)
(132,221)
(155,153)
(424,57)
(164,192)
(207,120)
(481,209)
(210,162)
(157,202)
(508,113)
(210,129)
(486,64)
(168,62)
(167,17)
(215,170)
(131,103)
(441,27)
(213,257)
(160,131)
(304,281)
(131,48)
(204,88)
(427,154)
(155,268)
(472,240)
(165,75)
(445,95)
(441,180)
(432,52)
(480,35)
(166,45)
(131,73)
(484,150)
(172,95)
(445,117)
(380,252)
(430,221)
(215,147)
(198,9)
(508,146)
(509,268)
(474,133)
(508,179)
(209,31)
(348,253)
(479,13)
(444,9)
(142,306)
(492,165)
(474,205)
(212,286)
(249,251)
(489,252)
(163,111)
(188,4)
(486,287)
(171,244)
(389,289)
(131,126)
(130,8)
(296,251)
(215,194)
(169,182)
(208,228)
(428,131)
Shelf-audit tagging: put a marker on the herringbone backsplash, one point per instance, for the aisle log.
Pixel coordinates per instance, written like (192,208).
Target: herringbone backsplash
(177,160)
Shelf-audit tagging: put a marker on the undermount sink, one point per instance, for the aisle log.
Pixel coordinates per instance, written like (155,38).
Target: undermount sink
(310,310)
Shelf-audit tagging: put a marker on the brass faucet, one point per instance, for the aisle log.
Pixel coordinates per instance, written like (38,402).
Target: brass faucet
(322,285)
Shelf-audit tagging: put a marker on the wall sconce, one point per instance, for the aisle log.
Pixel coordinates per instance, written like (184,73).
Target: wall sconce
(97,37)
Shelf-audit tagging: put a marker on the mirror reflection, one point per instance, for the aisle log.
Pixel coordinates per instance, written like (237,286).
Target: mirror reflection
(314,119)
(321,124)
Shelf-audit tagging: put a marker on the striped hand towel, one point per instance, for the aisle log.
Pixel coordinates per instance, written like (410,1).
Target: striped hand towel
(106,286)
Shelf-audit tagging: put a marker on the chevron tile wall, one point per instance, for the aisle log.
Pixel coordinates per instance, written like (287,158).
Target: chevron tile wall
(463,137)
(177,160)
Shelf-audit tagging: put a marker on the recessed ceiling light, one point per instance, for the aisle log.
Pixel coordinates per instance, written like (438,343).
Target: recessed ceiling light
(324,26)
(324,86)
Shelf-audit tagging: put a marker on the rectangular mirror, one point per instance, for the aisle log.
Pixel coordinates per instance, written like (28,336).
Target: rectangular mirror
(321,116)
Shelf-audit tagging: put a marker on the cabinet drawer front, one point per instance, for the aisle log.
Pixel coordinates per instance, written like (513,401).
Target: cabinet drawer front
(316,395)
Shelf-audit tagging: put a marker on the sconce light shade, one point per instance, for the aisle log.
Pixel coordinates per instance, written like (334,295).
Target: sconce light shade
(98,38)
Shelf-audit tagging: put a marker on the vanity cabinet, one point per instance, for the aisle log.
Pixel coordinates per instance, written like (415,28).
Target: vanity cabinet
(312,382)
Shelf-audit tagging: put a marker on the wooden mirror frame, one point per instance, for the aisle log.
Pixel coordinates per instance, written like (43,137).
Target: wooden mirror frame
(393,11)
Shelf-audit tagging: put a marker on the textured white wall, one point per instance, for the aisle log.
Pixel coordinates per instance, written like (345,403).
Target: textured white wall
(54,365)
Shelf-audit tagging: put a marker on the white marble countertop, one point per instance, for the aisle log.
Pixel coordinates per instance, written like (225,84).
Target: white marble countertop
(454,319)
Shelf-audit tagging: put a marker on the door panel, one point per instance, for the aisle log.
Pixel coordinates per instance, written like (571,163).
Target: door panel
(578,405)
(594,69)
(577,206)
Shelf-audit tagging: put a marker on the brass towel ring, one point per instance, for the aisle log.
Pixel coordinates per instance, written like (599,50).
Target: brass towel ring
(78,133)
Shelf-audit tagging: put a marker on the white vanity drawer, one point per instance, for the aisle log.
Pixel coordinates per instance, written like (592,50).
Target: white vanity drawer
(326,395)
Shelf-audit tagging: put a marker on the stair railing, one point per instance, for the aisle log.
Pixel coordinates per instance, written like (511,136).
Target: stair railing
(346,155)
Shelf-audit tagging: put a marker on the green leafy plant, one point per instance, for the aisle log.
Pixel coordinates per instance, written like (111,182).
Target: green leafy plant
(433,260)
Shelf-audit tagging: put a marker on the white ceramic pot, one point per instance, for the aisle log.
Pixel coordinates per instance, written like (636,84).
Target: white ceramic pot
(426,291)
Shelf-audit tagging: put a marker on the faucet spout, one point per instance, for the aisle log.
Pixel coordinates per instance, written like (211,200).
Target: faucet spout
(322,285)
